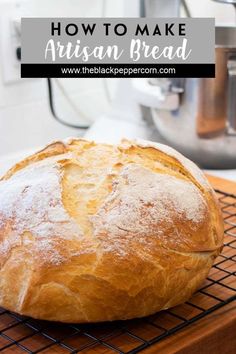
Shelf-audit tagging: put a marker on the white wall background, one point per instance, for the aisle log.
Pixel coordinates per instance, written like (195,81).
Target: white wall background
(223,13)
(25,120)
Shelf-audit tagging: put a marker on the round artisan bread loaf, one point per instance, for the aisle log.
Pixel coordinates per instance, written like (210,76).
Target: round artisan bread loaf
(95,232)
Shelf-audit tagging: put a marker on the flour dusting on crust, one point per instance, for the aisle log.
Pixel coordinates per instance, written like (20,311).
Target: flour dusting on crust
(188,164)
(31,202)
(142,200)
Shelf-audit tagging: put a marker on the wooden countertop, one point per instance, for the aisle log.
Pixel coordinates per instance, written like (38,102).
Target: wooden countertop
(214,334)
(223,184)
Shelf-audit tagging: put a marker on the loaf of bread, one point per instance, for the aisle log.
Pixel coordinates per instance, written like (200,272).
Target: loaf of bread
(94,232)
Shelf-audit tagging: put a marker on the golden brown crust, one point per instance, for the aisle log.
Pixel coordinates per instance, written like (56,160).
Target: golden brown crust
(94,232)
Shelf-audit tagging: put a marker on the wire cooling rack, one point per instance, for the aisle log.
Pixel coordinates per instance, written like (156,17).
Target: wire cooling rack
(24,335)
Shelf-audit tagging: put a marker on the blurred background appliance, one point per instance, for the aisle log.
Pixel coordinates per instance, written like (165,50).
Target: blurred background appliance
(198,116)
(195,116)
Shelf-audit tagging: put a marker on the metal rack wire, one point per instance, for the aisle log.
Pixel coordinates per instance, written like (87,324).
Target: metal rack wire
(24,335)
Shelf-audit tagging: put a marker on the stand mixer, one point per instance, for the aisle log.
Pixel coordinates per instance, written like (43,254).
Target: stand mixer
(195,116)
